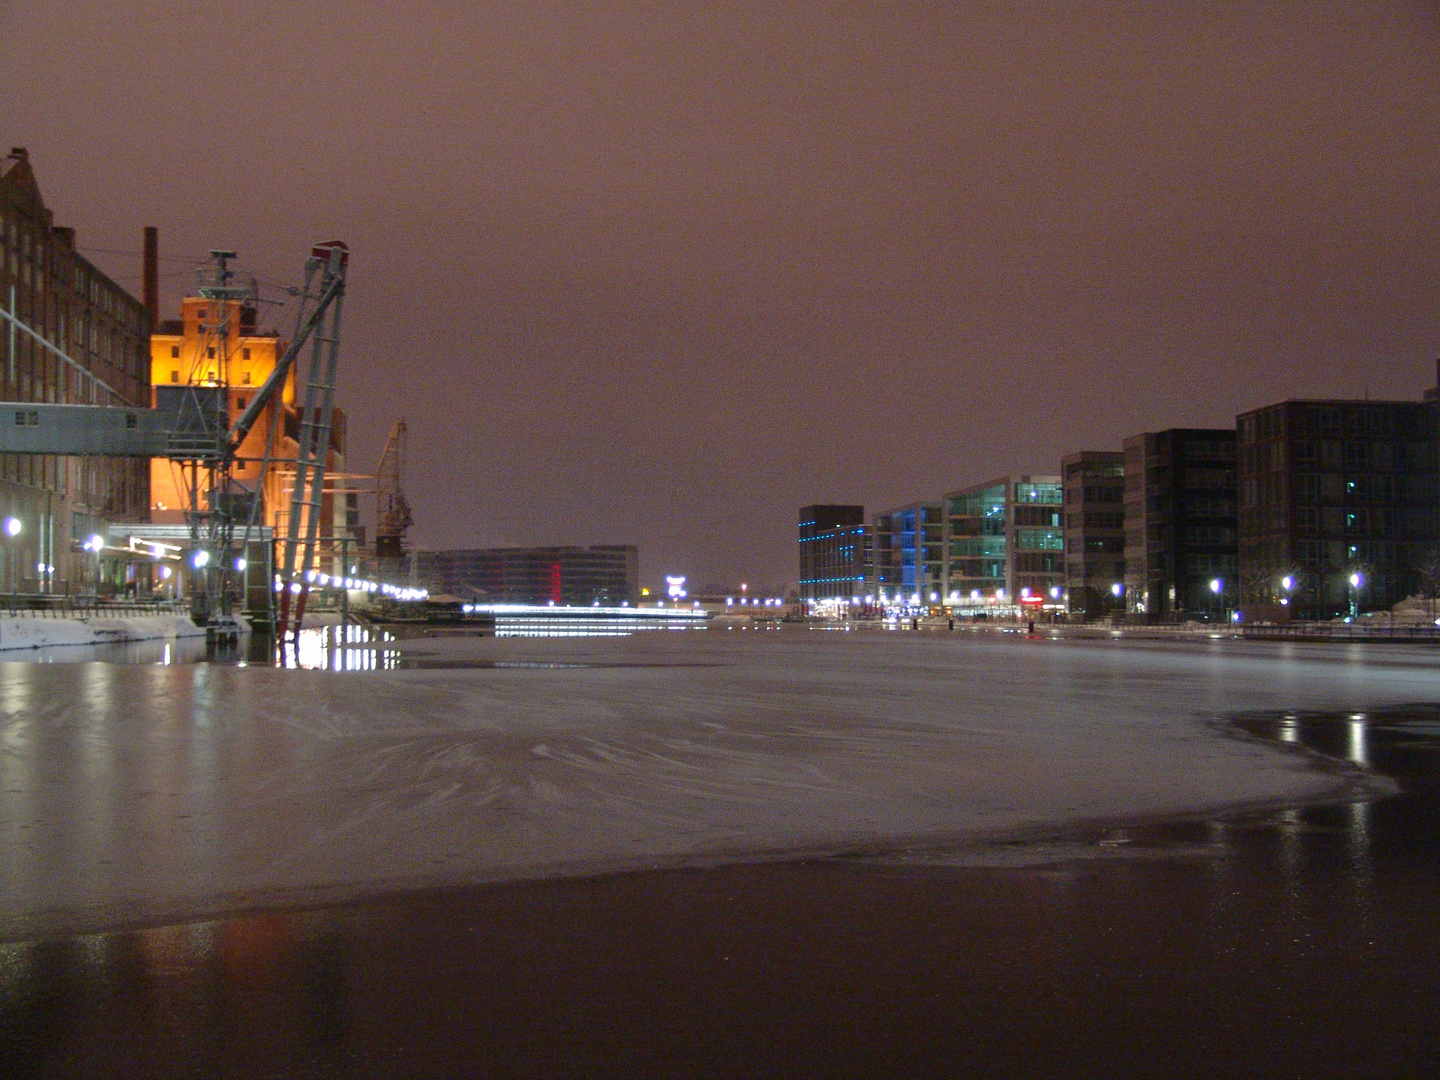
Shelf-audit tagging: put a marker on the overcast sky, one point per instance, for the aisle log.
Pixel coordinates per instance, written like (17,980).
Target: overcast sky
(663,272)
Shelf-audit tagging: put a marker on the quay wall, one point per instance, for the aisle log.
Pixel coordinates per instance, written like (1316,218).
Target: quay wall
(28,633)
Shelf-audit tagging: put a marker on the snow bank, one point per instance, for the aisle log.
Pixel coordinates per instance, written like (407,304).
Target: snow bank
(154,793)
(17,632)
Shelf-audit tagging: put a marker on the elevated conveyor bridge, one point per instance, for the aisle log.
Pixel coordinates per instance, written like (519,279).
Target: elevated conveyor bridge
(191,429)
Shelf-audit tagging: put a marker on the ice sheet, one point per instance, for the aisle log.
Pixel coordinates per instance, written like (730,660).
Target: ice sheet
(130,794)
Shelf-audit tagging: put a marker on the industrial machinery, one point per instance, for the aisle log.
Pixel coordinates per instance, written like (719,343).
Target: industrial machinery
(392,512)
(190,426)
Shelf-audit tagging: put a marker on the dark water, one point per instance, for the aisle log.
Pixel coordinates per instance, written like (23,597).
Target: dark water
(1290,943)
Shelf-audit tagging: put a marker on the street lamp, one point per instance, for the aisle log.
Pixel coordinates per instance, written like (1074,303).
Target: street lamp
(1357,579)
(12,530)
(1217,587)
(1287,583)
(96,544)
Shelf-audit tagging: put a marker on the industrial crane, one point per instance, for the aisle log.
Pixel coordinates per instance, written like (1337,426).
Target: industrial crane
(193,432)
(392,512)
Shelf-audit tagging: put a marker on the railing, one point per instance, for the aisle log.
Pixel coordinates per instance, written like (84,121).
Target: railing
(1369,630)
(49,606)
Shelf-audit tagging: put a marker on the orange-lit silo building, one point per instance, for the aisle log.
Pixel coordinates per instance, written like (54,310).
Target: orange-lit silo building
(216,344)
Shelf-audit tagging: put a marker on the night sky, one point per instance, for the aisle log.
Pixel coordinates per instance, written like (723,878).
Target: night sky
(663,272)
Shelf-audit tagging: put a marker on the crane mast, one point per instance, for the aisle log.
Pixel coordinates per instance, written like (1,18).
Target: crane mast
(205,447)
(190,426)
(392,512)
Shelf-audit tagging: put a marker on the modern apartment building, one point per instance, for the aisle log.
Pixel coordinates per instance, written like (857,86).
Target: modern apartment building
(98,354)
(1004,543)
(835,552)
(1094,511)
(1337,505)
(909,552)
(1180,527)
(607,574)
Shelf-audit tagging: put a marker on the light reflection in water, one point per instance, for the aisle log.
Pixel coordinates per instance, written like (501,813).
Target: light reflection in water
(1302,912)
(341,648)
(1357,750)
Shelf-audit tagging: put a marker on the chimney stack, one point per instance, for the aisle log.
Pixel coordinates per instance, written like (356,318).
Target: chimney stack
(152,274)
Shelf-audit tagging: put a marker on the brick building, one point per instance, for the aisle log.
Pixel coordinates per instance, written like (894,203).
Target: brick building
(98,354)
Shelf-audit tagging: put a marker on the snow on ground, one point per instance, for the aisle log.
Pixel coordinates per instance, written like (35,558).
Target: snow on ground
(32,631)
(140,793)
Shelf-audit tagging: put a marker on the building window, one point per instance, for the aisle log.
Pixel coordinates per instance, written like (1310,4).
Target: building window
(245,354)
(210,352)
(174,352)
(174,375)
(246,378)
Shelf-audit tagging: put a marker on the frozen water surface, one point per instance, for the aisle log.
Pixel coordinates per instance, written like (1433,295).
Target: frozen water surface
(146,793)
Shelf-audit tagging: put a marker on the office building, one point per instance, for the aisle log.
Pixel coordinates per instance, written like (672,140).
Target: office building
(1337,506)
(1094,482)
(909,552)
(606,574)
(98,354)
(835,552)
(1180,540)
(1005,545)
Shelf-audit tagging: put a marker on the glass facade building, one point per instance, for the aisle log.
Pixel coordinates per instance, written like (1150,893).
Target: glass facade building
(909,552)
(1004,543)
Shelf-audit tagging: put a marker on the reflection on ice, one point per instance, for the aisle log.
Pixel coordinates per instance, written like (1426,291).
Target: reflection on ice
(340,648)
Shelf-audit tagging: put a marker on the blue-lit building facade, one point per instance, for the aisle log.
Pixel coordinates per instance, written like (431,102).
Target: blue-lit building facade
(994,548)
(835,553)
(1304,510)
(909,545)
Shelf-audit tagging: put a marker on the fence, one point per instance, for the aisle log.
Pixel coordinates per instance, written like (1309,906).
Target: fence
(1369,630)
(44,606)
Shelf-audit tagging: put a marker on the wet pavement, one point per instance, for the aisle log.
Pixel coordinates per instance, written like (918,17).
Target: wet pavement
(1294,942)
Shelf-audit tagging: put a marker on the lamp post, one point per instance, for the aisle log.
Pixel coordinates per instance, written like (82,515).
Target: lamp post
(12,530)
(1217,587)
(1357,580)
(96,544)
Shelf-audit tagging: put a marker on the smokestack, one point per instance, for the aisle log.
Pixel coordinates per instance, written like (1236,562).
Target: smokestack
(152,274)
